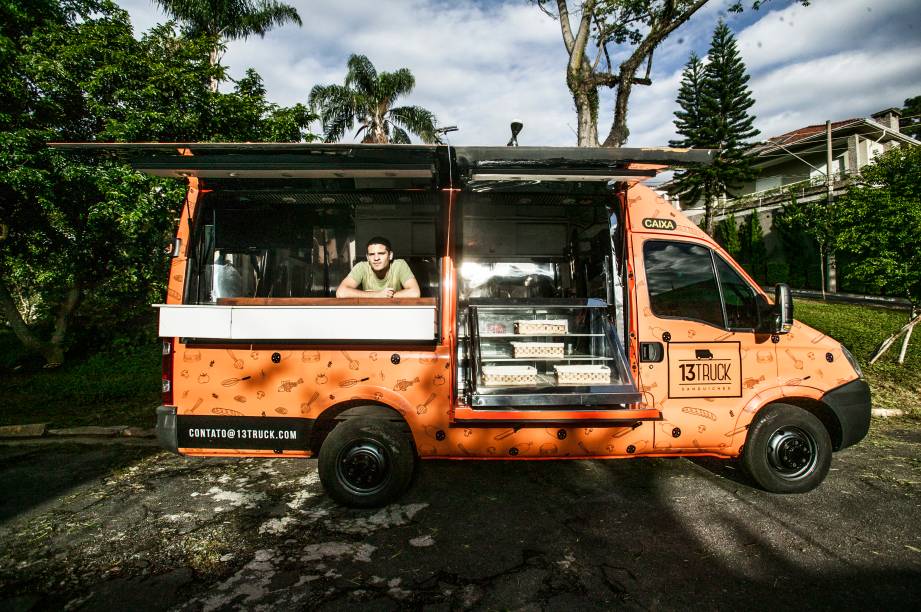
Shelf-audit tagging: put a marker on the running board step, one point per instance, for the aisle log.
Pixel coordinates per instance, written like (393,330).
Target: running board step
(624,417)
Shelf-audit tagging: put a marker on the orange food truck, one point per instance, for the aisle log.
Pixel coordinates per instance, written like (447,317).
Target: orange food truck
(566,312)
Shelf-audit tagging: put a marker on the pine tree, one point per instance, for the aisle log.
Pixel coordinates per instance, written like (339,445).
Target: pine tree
(714,114)
(753,252)
(727,235)
(688,118)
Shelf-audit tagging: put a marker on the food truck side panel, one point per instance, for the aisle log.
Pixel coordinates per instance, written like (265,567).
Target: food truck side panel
(267,399)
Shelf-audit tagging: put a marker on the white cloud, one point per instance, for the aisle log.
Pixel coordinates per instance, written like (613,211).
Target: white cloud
(841,86)
(799,33)
(480,65)
(831,60)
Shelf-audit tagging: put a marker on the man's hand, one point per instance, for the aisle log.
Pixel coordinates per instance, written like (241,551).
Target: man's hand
(383,293)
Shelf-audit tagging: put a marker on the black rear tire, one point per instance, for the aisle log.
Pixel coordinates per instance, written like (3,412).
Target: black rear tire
(366,462)
(788,450)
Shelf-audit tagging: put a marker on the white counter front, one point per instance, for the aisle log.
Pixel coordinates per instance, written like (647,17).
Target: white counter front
(326,323)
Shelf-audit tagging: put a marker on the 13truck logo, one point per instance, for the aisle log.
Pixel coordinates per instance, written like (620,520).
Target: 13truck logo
(698,369)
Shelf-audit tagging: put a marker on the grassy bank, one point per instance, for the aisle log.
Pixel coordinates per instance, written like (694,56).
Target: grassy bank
(862,329)
(117,387)
(122,387)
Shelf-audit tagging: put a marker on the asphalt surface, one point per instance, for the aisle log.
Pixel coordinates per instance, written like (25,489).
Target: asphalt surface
(123,525)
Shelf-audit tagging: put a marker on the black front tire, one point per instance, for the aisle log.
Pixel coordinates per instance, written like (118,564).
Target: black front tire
(788,450)
(366,462)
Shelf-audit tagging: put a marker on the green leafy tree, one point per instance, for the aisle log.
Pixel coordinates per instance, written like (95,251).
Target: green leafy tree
(817,221)
(82,239)
(752,251)
(715,115)
(367,99)
(692,185)
(689,120)
(878,222)
(727,235)
(798,253)
(910,122)
(225,20)
(611,44)
(246,116)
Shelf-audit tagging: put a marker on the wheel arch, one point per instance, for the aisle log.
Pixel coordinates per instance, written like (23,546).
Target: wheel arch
(818,409)
(328,419)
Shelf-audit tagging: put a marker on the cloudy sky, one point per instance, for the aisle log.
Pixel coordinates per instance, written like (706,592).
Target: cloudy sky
(480,64)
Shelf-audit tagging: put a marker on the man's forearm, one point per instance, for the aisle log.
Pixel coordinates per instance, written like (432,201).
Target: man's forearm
(407,293)
(344,292)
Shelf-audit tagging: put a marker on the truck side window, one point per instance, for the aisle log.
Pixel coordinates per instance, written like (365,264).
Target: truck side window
(739,297)
(682,282)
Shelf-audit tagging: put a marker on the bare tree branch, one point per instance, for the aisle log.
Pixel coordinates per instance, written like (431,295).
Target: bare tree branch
(563,16)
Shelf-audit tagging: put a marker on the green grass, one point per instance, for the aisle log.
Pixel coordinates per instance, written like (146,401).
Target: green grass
(862,329)
(112,388)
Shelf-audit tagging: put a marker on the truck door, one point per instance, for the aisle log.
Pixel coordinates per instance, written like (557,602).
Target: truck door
(703,357)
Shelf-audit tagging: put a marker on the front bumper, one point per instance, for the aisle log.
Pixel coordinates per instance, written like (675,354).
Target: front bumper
(851,404)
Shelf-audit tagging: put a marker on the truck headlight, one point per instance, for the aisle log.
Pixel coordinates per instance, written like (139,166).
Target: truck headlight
(852,361)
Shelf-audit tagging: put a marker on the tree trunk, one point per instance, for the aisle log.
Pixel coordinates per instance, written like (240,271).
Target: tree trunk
(619,132)
(587,113)
(708,215)
(213,59)
(53,350)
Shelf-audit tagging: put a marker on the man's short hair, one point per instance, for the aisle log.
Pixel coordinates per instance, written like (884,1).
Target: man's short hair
(379,240)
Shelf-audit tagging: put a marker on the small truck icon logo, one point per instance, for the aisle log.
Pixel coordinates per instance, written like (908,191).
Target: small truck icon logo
(703,354)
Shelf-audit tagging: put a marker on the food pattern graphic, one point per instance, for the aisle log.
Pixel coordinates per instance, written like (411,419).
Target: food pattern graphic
(745,370)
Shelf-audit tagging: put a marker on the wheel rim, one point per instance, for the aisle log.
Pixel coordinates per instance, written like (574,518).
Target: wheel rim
(362,467)
(792,453)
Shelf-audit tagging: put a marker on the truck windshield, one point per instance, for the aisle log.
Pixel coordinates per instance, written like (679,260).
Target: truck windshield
(271,245)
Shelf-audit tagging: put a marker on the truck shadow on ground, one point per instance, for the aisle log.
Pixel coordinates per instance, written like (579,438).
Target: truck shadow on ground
(166,532)
(654,533)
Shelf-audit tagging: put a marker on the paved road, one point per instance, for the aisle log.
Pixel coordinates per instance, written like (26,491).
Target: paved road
(96,526)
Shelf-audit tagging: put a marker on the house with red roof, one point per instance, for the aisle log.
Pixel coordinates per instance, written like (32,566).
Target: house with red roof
(796,161)
(794,164)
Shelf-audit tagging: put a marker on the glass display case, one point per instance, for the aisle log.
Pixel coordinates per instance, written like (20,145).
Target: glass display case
(549,353)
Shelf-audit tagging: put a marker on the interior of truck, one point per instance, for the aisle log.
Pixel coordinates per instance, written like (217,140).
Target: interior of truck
(300,243)
(540,317)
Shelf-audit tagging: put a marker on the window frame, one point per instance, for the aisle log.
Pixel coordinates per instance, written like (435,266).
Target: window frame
(755,295)
(719,286)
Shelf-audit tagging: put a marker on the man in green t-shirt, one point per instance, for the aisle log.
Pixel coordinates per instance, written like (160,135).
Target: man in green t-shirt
(380,276)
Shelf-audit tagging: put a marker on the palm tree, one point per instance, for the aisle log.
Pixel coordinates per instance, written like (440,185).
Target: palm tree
(367,98)
(225,20)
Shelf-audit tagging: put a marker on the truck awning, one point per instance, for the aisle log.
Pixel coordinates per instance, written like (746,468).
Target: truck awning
(446,166)
(269,160)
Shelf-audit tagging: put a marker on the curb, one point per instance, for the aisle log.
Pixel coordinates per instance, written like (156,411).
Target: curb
(885,413)
(40,430)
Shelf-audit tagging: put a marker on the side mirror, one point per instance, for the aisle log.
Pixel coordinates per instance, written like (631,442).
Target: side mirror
(783,309)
